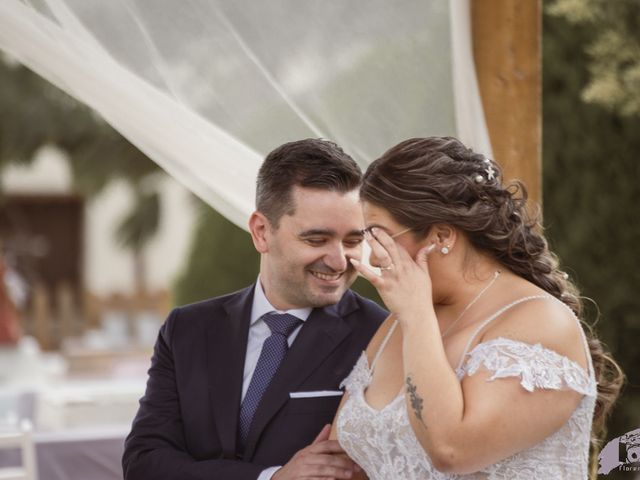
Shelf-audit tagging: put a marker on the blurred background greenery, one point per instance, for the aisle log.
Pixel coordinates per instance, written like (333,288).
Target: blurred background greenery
(591,174)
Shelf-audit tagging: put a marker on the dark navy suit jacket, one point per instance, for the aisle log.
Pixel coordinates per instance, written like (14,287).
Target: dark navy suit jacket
(186,426)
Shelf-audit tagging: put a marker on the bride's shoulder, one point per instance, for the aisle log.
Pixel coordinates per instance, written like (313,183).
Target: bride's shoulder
(378,338)
(540,319)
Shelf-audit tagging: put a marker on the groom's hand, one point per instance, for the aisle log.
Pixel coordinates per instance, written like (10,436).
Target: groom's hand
(324,458)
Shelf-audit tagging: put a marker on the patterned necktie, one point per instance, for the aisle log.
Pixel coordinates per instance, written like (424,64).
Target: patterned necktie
(273,351)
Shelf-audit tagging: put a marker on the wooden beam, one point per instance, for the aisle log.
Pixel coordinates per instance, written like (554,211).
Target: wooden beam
(507,50)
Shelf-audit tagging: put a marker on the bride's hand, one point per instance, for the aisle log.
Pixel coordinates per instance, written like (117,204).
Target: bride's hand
(404,284)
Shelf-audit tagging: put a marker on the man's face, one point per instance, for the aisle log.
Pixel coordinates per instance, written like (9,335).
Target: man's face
(306,263)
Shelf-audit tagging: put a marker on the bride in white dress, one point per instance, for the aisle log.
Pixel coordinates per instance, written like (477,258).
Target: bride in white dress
(483,369)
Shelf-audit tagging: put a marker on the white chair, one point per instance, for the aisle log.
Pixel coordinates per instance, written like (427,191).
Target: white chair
(19,438)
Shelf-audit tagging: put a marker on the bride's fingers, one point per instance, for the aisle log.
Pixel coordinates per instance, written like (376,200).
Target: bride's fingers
(378,251)
(382,238)
(421,256)
(367,273)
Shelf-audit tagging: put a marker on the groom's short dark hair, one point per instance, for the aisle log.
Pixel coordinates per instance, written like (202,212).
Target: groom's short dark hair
(309,163)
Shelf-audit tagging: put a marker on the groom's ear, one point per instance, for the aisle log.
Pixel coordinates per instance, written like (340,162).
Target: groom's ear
(258,227)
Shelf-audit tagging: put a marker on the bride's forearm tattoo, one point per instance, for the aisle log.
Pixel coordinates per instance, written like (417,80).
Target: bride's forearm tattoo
(416,400)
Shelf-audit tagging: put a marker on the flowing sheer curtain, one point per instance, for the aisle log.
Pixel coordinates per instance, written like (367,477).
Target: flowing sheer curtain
(205,88)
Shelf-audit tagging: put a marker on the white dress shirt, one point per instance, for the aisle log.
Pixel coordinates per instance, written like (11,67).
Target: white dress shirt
(258,332)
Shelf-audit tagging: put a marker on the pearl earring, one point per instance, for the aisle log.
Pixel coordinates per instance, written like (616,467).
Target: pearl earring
(444,250)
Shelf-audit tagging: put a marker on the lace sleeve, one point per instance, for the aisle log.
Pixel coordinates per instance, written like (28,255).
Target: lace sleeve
(537,366)
(359,377)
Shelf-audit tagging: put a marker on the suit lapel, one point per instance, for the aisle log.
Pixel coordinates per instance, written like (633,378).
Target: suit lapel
(226,349)
(322,332)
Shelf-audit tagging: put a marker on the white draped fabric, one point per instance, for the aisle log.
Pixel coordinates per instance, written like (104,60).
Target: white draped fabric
(207,87)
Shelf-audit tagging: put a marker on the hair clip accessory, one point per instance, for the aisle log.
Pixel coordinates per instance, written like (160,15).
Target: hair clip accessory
(488,170)
(491,173)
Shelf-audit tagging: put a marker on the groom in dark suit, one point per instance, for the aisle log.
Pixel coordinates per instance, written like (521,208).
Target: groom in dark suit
(240,386)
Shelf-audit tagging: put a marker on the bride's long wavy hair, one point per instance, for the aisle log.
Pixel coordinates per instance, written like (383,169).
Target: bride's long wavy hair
(424,181)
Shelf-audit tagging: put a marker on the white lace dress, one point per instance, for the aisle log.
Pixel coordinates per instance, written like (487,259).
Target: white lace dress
(382,441)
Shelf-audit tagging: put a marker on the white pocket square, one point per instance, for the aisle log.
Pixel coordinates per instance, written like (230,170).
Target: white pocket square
(318,393)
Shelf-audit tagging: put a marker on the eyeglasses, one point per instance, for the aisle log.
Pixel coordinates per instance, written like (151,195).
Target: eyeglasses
(400,233)
(368,230)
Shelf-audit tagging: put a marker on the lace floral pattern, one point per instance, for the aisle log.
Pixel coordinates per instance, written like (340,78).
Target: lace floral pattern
(383,443)
(537,366)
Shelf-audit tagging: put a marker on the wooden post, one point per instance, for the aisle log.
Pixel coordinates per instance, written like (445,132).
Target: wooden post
(67,311)
(42,316)
(506,45)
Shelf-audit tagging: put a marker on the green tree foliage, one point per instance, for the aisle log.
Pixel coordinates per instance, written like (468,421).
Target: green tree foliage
(222,259)
(137,228)
(613,50)
(592,195)
(36,113)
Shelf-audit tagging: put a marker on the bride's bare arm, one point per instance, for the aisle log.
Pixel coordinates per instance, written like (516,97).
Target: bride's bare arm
(467,425)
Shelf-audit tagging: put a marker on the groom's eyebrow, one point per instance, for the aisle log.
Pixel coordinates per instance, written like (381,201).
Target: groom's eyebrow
(314,232)
(328,232)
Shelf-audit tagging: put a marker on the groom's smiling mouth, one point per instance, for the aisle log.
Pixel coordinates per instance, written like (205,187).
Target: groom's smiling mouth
(327,277)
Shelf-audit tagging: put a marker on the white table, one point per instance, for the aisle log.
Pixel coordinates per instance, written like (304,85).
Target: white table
(89,454)
(80,427)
